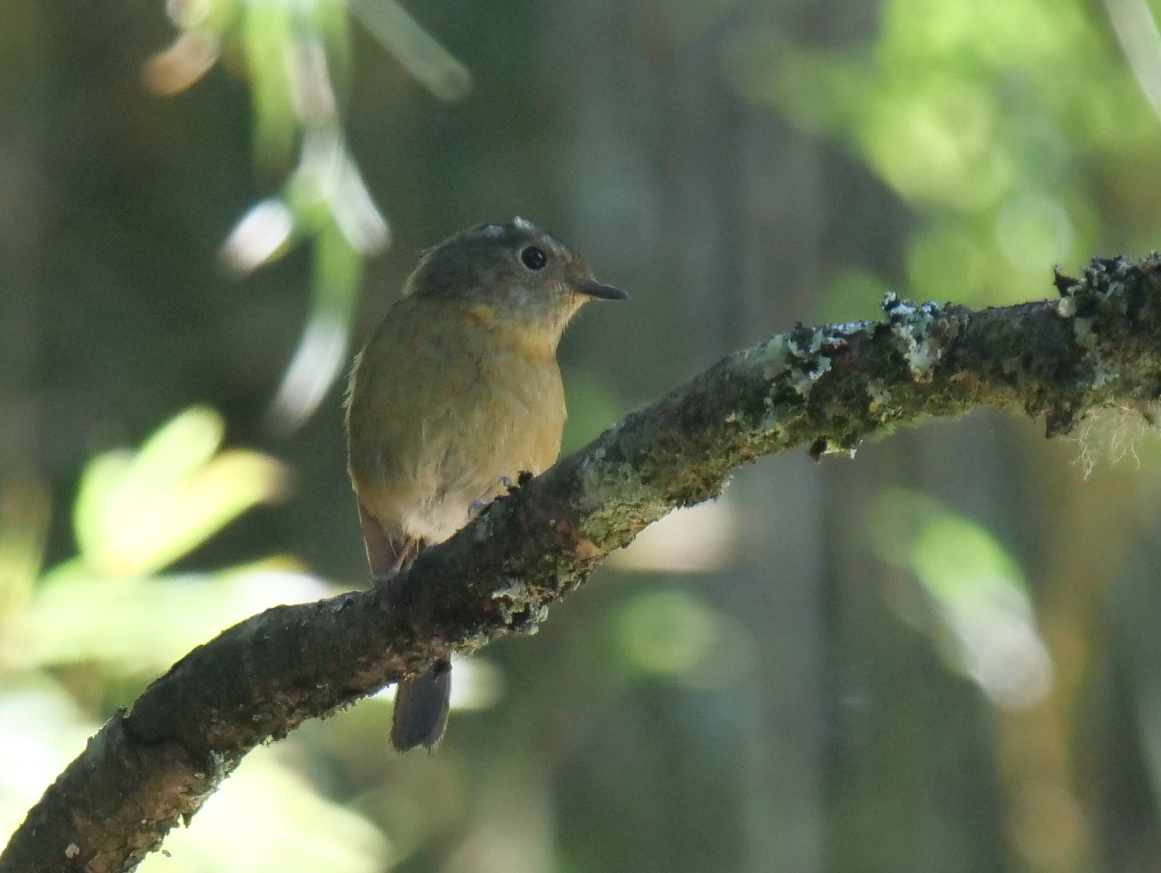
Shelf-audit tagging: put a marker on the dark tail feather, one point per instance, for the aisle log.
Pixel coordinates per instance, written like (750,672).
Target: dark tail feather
(421,705)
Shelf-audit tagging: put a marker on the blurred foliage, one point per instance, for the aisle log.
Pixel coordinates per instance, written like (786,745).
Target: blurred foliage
(838,667)
(297,60)
(673,634)
(109,617)
(978,594)
(137,512)
(1008,127)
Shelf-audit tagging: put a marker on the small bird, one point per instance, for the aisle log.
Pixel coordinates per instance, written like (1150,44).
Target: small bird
(455,395)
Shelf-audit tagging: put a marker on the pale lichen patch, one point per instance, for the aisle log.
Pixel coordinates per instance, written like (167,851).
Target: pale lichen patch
(1066,306)
(1082,330)
(519,611)
(911,325)
(1104,372)
(796,360)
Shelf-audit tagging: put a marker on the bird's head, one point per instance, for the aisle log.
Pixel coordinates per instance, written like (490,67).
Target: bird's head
(523,275)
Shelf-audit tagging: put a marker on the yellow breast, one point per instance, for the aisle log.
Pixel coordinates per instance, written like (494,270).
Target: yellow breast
(444,403)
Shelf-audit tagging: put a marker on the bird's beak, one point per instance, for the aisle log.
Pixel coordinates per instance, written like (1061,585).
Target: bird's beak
(599,290)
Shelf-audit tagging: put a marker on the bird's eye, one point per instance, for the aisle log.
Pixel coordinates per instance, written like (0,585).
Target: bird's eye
(533,258)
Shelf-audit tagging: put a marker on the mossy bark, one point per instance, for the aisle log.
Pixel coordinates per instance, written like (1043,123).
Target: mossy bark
(826,389)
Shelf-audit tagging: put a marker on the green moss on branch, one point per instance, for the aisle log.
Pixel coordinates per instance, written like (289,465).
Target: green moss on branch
(826,389)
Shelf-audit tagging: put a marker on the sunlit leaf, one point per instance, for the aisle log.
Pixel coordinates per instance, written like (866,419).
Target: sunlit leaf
(116,485)
(312,92)
(215,15)
(100,480)
(263,235)
(319,358)
(355,212)
(178,448)
(138,512)
(139,625)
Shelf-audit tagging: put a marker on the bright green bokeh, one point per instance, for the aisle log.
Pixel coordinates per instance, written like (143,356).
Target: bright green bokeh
(675,635)
(986,118)
(137,512)
(108,614)
(978,613)
(853,295)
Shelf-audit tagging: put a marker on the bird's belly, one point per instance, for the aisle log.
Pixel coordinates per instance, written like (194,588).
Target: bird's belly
(436,520)
(478,442)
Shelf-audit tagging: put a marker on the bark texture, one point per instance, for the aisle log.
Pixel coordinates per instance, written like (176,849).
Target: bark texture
(824,388)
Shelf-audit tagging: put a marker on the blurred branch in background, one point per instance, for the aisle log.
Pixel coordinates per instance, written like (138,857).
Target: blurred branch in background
(296,58)
(1097,348)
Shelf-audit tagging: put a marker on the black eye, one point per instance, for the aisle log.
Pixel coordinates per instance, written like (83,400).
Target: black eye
(533,258)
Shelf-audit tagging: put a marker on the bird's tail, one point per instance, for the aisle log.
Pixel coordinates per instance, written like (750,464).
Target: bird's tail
(421,705)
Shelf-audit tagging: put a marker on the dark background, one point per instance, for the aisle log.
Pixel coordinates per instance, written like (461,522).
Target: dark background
(839,671)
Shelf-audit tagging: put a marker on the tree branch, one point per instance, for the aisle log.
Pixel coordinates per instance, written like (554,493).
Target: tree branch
(826,388)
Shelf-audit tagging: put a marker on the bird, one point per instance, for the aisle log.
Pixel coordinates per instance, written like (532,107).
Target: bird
(456,395)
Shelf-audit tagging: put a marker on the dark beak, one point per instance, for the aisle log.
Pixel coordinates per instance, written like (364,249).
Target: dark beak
(600,291)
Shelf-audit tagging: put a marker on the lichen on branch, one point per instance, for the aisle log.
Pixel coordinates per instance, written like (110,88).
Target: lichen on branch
(823,388)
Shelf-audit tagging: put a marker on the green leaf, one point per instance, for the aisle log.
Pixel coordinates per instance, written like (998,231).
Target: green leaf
(138,512)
